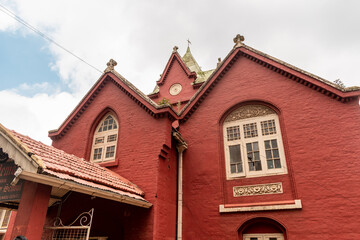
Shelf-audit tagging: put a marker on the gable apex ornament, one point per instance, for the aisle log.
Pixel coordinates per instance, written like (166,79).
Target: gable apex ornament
(110,65)
(175,48)
(238,40)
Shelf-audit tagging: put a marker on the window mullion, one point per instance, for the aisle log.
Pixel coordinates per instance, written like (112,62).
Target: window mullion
(262,148)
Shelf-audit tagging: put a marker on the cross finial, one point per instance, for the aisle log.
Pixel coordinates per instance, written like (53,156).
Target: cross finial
(238,40)
(175,48)
(110,65)
(188,42)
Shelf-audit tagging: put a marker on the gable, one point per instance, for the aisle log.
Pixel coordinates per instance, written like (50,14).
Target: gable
(126,88)
(290,72)
(177,85)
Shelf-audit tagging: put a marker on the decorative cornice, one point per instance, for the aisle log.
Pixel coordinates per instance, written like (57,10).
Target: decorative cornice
(307,79)
(125,86)
(259,189)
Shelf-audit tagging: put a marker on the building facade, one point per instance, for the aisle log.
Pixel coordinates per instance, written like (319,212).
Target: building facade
(255,149)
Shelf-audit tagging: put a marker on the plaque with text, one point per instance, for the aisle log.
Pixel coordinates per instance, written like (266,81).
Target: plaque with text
(7,191)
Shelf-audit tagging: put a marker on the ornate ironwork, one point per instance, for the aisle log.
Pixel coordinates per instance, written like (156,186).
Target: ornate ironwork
(84,220)
(79,229)
(3,156)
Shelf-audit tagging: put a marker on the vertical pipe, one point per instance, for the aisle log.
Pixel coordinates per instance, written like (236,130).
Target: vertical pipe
(180,148)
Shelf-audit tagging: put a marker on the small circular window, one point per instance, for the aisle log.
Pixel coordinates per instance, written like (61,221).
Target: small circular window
(175,89)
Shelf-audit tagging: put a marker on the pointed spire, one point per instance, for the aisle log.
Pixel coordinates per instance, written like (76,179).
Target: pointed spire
(190,61)
(188,50)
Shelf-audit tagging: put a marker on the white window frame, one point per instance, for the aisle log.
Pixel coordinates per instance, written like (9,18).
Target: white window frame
(260,139)
(105,144)
(3,224)
(263,236)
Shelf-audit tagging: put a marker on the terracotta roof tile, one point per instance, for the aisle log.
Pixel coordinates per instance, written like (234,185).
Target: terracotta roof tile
(70,167)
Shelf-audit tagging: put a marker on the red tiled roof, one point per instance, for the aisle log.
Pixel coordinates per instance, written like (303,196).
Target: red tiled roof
(66,166)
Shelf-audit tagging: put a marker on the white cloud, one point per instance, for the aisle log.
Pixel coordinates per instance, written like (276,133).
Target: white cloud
(318,36)
(34,116)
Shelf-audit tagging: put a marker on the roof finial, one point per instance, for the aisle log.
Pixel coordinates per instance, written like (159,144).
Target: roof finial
(238,40)
(110,65)
(175,48)
(219,62)
(188,42)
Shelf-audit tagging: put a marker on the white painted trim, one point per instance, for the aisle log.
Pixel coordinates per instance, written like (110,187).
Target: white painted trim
(71,186)
(105,144)
(180,195)
(260,139)
(296,205)
(17,154)
(181,147)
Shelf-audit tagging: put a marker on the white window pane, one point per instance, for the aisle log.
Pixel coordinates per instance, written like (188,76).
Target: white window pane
(272,154)
(235,159)
(99,140)
(233,133)
(268,127)
(110,152)
(250,130)
(97,153)
(253,156)
(111,138)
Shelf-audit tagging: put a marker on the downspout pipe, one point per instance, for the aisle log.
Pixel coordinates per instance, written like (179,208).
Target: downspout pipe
(181,147)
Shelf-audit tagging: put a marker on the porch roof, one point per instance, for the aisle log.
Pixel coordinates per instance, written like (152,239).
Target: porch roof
(63,170)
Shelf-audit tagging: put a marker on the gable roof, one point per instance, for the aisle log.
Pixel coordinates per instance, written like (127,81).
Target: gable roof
(188,64)
(175,57)
(291,72)
(110,75)
(54,165)
(207,82)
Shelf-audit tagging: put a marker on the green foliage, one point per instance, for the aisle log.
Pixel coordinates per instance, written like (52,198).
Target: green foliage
(164,101)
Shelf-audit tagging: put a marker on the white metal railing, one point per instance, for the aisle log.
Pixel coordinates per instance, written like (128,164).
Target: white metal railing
(79,229)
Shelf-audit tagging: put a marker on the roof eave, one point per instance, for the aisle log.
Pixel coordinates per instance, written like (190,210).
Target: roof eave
(140,98)
(68,185)
(317,83)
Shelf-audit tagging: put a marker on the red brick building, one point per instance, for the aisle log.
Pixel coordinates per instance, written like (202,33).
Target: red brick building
(254,149)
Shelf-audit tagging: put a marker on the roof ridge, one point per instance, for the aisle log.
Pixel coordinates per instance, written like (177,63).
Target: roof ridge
(330,83)
(18,143)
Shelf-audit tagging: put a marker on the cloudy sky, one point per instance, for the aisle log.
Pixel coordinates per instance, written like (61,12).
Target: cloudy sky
(41,83)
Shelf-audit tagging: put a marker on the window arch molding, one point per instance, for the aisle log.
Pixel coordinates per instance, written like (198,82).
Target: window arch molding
(262,226)
(257,151)
(94,127)
(270,105)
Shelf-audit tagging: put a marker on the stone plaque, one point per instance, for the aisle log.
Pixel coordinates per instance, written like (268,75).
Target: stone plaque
(260,189)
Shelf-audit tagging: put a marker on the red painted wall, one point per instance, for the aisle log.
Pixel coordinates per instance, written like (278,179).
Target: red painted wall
(321,139)
(141,139)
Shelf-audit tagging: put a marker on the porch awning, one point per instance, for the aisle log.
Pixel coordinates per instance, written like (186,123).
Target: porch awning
(48,165)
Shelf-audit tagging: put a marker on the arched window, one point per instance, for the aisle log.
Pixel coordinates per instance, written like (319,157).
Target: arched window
(261,229)
(253,143)
(105,139)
